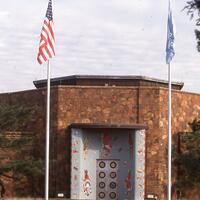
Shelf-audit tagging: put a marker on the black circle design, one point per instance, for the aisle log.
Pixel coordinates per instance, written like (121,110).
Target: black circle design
(113,164)
(102,195)
(102,174)
(112,195)
(102,164)
(102,185)
(113,185)
(113,175)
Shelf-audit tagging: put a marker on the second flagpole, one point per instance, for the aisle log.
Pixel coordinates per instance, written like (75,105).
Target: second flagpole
(47,133)
(169,135)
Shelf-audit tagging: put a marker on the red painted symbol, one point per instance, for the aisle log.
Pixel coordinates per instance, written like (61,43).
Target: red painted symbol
(74,151)
(127,181)
(107,143)
(130,142)
(85,148)
(86,184)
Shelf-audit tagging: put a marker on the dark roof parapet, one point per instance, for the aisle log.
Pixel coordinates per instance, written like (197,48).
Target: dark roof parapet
(101,80)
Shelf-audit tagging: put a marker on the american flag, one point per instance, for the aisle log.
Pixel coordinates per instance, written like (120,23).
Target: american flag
(47,41)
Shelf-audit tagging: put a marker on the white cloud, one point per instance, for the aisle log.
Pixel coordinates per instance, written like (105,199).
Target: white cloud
(95,37)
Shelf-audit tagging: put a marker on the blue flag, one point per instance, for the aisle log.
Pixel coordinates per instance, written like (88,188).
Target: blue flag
(170,52)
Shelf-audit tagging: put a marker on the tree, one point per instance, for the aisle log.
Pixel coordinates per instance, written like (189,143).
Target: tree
(188,158)
(18,160)
(193,7)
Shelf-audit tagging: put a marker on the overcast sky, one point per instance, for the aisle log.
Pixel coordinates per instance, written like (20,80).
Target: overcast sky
(101,37)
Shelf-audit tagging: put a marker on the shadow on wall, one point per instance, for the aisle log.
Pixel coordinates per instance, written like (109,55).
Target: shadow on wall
(2,189)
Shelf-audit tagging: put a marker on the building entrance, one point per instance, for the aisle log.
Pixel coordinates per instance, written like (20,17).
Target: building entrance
(107,163)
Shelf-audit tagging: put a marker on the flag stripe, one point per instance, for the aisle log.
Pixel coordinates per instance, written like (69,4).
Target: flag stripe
(49,25)
(40,59)
(50,49)
(51,43)
(47,51)
(44,54)
(47,39)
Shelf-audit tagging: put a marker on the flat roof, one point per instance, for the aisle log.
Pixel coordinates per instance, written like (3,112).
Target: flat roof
(102,80)
(108,126)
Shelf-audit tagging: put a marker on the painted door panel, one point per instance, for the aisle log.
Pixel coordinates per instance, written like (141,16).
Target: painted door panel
(107,179)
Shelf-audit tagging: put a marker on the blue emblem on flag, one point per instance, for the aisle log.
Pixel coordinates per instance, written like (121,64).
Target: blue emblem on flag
(170,52)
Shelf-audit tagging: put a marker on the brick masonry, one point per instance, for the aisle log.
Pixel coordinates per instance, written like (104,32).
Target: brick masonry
(112,105)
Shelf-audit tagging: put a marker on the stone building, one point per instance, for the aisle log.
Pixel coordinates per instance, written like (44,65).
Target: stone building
(109,133)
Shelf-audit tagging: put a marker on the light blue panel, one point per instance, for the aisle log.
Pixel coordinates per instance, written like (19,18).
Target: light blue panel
(139,165)
(90,153)
(123,149)
(106,144)
(76,151)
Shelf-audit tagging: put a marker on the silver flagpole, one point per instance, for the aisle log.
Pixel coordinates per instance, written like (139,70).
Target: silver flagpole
(47,133)
(169,134)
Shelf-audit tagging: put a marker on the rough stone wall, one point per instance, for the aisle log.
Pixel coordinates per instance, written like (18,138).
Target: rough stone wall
(37,100)
(90,105)
(185,108)
(123,105)
(149,115)
(153,111)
